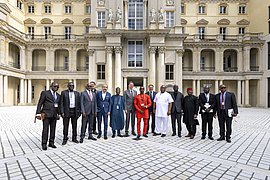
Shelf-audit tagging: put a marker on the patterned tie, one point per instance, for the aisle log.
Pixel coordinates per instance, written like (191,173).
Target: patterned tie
(90,95)
(222,101)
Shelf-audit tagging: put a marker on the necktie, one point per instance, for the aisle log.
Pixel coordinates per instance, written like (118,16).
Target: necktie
(90,95)
(54,96)
(222,101)
(151,95)
(131,92)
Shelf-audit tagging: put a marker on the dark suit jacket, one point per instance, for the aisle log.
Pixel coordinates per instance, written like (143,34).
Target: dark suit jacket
(203,100)
(230,103)
(88,106)
(64,103)
(46,104)
(177,105)
(103,104)
(152,100)
(129,100)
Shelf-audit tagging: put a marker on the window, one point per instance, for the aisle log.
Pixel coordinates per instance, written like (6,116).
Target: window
(201,9)
(67,32)
(242,9)
(169,72)
(31,32)
(268,55)
(135,53)
(19,4)
(169,19)
(183,9)
(88,9)
(65,63)
(135,14)
(201,32)
(202,64)
(86,29)
(33,92)
(100,71)
(222,31)
(47,9)
(183,30)
(101,18)
(31,9)
(86,62)
(47,31)
(241,30)
(223,9)
(67,9)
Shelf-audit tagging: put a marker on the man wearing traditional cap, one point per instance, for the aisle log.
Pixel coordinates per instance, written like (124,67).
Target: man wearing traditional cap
(162,109)
(226,107)
(206,103)
(190,109)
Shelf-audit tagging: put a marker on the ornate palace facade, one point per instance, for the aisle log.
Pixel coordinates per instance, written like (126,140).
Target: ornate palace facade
(190,43)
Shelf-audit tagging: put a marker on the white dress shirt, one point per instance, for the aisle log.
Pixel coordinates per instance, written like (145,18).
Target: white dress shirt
(71,99)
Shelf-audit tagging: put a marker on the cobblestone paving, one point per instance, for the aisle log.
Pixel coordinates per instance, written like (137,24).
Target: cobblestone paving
(247,157)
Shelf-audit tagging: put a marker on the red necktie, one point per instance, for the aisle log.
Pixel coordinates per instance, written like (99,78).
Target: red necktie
(222,101)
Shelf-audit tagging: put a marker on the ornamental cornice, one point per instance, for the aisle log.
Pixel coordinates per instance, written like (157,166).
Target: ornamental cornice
(161,49)
(152,49)
(180,52)
(29,21)
(243,22)
(118,49)
(215,1)
(67,21)
(224,22)
(109,49)
(46,21)
(90,52)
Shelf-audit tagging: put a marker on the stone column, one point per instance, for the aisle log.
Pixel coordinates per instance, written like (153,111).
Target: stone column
(199,60)
(152,66)
(91,63)
(25,90)
(239,92)
(218,60)
(5,90)
(22,58)
(161,66)
(247,92)
(118,67)
(2,50)
(145,83)
(125,84)
(216,87)
(246,59)
(22,91)
(50,59)
(220,82)
(126,13)
(194,85)
(72,59)
(108,68)
(198,87)
(1,88)
(179,69)
(47,84)
(260,59)
(75,83)
(194,60)
(243,92)
(240,60)
(7,51)
(29,63)
(29,96)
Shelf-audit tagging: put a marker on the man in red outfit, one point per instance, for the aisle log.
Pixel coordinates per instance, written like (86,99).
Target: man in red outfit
(142,102)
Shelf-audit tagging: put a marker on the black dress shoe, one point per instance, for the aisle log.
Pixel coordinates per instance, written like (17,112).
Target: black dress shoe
(179,135)
(99,136)
(133,133)
(228,140)
(203,137)
(163,135)
(64,142)
(92,138)
(191,137)
(156,134)
(173,134)
(145,135)
(211,138)
(120,135)
(105,137)
(52,146)
(44,147)
(138,137)
(113,136)
(95,133)
(75,141)
(221,139)
(81,140)
(188,135)
(126,135)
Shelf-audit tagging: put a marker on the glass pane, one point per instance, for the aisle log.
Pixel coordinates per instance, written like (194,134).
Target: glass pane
(138,63)
(131,23)
(167,75)
(131,64)
(139,10)
(139,49)
(98,68)
(139,24)
(131,47)
(103,68)
(131,10)
(138,57)
(131,57)
(171,75)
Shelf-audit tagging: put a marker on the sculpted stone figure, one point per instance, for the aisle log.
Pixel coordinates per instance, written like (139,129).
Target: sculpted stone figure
(110,15)
(153,15)
(118,15)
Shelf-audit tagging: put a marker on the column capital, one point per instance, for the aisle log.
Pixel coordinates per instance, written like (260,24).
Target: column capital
(118,49)
(90,52)
(152,49)
(109,49)
(161,49)
(180,52)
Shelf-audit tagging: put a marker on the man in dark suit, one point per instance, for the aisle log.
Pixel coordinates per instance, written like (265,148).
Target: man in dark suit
(226,107)
(152,95)
(94,90)
(176,113)
(206,103)
(70,108)
(48,112)
(103,109)
(129,95)
(89,111)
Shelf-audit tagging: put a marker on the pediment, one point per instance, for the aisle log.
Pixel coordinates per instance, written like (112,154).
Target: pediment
(4,7)
(67,21)
(243,22)
(183,21)
(87,21)
(202,22)
(46,21)
(224,22)
(29,21)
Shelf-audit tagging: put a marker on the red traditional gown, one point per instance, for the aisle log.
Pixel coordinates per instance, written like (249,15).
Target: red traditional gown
(138,101)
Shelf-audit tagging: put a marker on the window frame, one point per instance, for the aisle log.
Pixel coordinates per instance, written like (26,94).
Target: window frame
(101,74)
(226,9)
(87,8)
(48,8)
(135,54)
(183,8)
(47,31)
(30,7)
(169,74)
(241,30)
(241,12)
(68,9)
(136,18)
(204,9)
(201,35)
(101,23)
(171,22)
(31,31)
(67,32)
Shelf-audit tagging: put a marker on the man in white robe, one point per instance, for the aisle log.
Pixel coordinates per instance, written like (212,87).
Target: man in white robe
(162,108)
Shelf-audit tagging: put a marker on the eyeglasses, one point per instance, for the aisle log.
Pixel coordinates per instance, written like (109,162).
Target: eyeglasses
(56,86)
(223,88)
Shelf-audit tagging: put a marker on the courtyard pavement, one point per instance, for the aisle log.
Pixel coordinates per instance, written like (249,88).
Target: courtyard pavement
(247,157)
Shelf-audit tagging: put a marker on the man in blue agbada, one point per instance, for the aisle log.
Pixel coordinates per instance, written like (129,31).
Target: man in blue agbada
(117,113)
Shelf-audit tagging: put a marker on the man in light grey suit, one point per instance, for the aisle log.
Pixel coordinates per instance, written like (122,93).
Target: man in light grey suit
(177,106)
(129,95)
(89,111)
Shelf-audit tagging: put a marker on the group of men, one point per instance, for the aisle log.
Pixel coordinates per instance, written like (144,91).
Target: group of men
(157,106)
